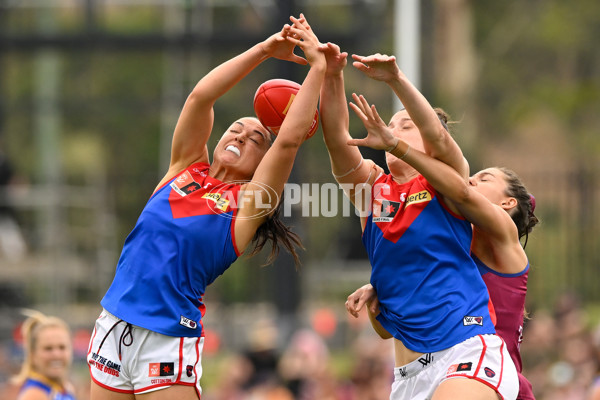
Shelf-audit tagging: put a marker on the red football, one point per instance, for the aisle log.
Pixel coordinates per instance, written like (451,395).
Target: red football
(272,101)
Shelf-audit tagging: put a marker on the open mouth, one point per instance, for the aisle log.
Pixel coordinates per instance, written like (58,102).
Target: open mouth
(233,149)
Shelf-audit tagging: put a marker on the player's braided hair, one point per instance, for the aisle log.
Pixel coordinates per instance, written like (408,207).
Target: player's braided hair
(522,214)
(279,234)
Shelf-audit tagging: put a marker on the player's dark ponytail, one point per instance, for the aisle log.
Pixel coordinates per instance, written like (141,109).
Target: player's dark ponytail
(523,214)
(279,234)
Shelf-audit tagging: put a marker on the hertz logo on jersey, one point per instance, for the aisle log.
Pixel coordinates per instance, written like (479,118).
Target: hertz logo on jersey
(420,197)
(220,202)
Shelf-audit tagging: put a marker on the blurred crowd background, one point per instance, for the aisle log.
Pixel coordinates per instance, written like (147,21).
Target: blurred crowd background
(89,95)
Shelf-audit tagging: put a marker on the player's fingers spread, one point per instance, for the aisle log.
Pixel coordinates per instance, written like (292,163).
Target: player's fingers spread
(375,113)
(298,24)
(365,106)
(364,103)
(357,111)
(304,21)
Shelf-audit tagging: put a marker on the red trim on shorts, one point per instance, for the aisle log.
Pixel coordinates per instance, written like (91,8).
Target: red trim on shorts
(496,388)
(195,364)
(180,359)
(158,385)
(91,341)
(112,389)
(502,363)
(481,356)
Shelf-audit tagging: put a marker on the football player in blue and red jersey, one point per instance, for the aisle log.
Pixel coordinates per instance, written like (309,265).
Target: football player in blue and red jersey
(432,299)
(148,339)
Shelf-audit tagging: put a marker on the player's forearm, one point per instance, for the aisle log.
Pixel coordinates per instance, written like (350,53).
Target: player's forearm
(419,109)
(297,123)
(335,121)
(334,112)
(437,140)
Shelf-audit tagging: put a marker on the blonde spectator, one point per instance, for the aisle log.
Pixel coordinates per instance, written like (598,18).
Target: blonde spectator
(48,357)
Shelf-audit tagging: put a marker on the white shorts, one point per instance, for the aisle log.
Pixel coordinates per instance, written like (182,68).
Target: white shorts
(128,359)
(483,358)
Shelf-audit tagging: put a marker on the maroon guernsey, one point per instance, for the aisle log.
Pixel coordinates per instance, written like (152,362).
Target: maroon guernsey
(507,294)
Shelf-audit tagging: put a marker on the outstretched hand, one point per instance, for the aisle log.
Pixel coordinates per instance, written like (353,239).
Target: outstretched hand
(380,67)
(277,46)
(361,296)
(336,59)
(300,34)
(379,135)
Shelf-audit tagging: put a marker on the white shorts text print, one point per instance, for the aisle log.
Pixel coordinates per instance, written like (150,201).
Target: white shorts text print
(128,359)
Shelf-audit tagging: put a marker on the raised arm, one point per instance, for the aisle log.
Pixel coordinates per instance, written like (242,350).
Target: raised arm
(276,166)
(437,140)
(457,193)
(334,114)
(195,122)
(347,164)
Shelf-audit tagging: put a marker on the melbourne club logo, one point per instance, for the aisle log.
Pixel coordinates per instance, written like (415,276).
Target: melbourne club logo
(385,210)
(470,320)
(185,184)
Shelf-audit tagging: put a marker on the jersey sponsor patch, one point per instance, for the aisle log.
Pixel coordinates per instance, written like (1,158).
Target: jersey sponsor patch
(185,184)
(188,323)
(221,202)
(419,197)
(161,369)
(469,320)
(457,368)
(385,210)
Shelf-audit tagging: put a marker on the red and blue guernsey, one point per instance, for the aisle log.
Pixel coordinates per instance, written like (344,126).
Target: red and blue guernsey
(507,293)
(431,294)
(182,241)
